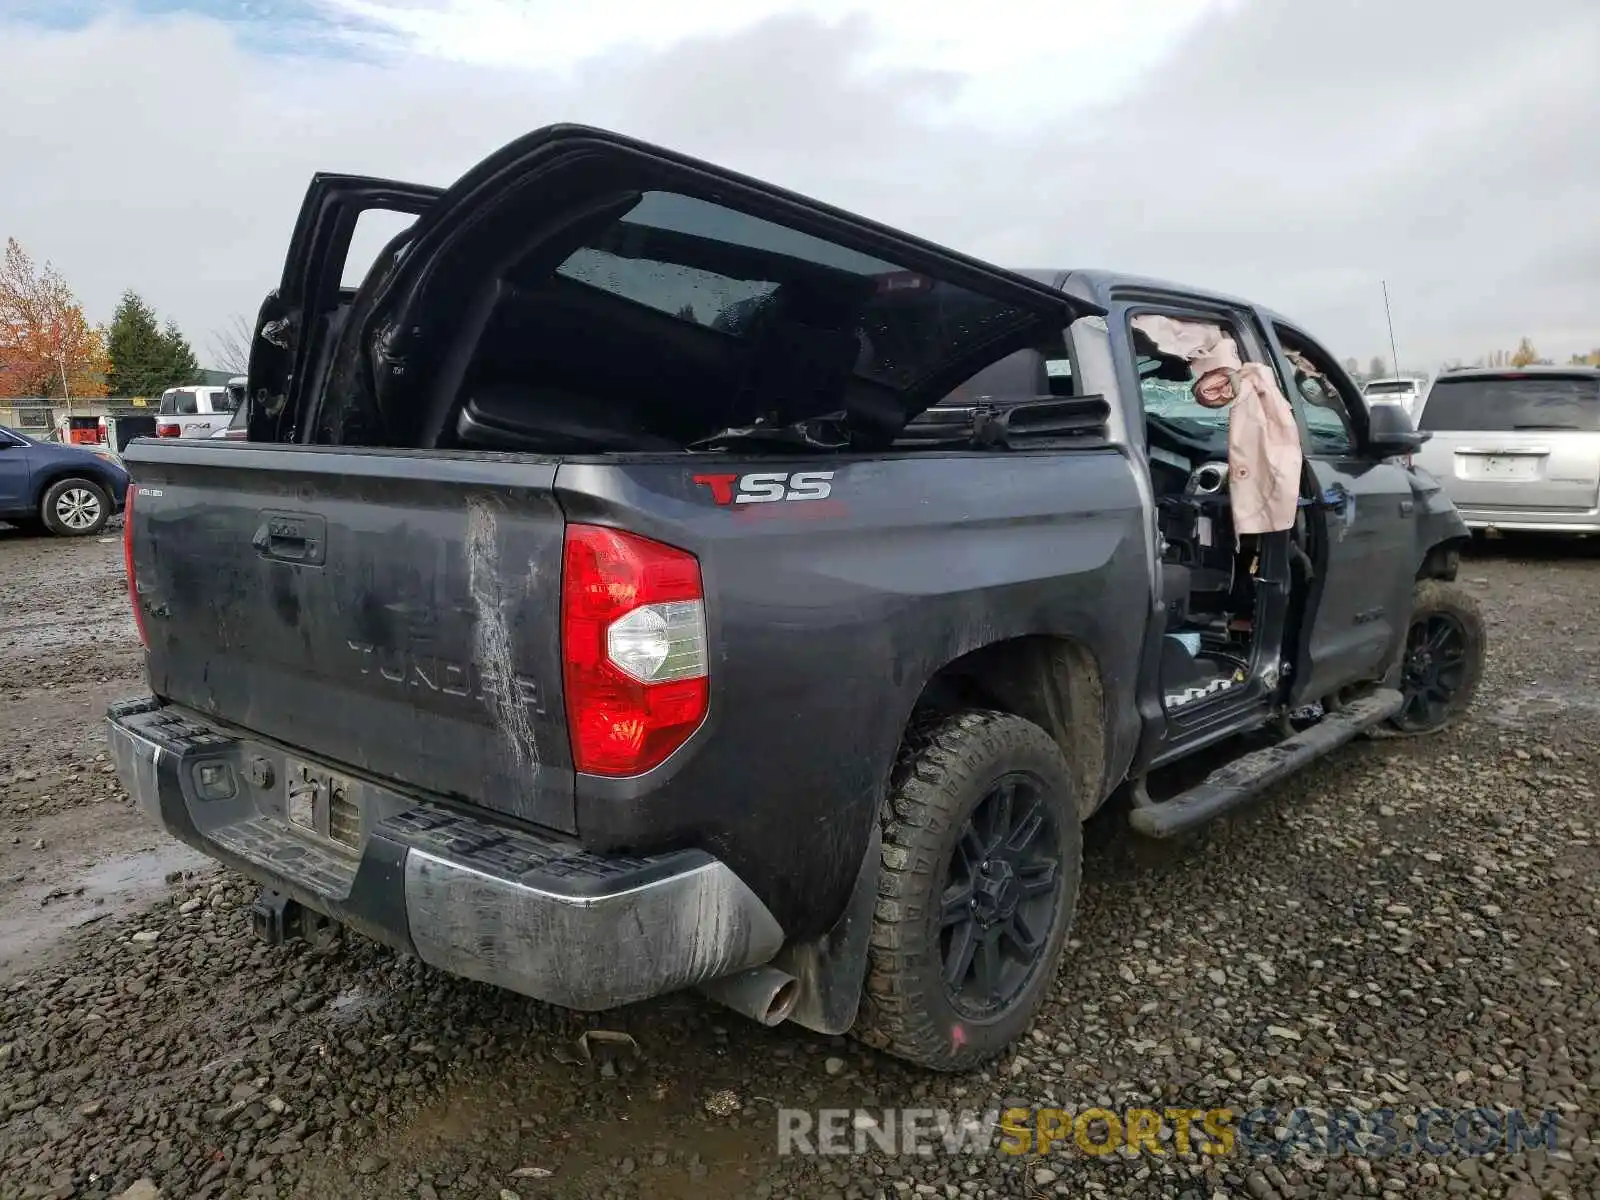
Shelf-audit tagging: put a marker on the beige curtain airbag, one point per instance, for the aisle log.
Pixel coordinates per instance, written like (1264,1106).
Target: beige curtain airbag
(1264,458)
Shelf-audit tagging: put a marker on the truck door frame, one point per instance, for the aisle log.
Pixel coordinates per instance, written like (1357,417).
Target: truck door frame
(1165,738)
(1362,521)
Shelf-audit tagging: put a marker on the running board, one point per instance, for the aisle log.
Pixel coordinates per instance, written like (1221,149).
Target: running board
(1231,785)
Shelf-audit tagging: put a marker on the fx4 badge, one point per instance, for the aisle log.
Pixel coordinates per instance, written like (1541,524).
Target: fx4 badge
(765,487)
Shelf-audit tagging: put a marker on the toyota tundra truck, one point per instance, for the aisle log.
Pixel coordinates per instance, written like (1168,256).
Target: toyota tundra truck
(650,579)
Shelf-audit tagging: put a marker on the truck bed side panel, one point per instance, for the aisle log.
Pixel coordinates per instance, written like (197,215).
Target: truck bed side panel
(827,617)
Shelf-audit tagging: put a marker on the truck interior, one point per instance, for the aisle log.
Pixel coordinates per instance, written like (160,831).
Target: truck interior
(1226,598)
(671,323)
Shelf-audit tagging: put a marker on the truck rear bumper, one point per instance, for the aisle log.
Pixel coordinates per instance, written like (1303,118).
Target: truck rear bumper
(525,911)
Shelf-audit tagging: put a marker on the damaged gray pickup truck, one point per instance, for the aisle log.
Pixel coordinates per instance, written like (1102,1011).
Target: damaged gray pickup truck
(649,579)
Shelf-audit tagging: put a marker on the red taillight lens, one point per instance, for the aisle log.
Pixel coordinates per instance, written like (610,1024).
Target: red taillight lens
(633,640)
(127,564)
(168,429)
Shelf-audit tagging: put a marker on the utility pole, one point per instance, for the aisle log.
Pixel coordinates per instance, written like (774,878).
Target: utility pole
(61,365)
(1394,355)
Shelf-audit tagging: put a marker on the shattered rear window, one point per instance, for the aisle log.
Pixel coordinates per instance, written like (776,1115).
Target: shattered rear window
(726,270)
(703,297)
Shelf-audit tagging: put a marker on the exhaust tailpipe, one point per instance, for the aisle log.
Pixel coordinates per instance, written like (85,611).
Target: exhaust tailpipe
(764,994)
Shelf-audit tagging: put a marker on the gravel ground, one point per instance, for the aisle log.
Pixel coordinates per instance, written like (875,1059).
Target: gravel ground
(1411,923)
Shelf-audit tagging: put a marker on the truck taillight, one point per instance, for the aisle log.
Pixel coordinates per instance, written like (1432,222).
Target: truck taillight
(168,429)
(127,564)
(633,641)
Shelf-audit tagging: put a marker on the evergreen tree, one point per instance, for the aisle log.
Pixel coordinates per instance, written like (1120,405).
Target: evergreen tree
(177,356)
(146,358)
(138,352)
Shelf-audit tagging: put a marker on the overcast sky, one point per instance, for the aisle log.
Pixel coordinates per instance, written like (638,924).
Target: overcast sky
(1294,151)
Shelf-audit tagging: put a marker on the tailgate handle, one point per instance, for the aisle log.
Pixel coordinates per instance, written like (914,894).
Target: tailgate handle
(291,537)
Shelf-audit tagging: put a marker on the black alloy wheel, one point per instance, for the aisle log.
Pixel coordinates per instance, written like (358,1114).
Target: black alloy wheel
(1002,887)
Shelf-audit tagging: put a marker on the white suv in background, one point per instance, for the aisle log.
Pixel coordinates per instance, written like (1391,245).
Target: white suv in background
(1404,391)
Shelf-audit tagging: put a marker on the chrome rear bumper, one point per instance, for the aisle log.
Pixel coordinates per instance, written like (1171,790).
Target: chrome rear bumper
(503,905)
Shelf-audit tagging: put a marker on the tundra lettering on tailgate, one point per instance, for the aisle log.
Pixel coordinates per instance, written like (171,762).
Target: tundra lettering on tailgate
(765,487)
(429,673)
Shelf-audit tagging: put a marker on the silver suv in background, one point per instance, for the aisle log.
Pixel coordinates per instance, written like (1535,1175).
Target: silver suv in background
(1517,449)
(237,429)
(1404,391)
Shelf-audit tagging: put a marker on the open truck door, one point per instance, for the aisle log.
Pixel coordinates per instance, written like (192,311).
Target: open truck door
(298,318)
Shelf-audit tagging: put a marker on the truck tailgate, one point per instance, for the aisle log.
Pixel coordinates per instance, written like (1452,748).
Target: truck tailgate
(389,611)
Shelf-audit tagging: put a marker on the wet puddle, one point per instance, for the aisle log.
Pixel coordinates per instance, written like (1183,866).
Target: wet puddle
(45,911)
(38,633)
(350,1005)
(1540,706)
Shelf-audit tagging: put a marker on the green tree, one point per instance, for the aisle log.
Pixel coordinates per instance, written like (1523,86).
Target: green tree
(146,358)
(138,355)
(177,357)
(1375,368)
(1352,368)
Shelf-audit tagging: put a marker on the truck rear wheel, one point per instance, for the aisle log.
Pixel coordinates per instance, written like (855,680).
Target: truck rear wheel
(982,854)
(1442,660)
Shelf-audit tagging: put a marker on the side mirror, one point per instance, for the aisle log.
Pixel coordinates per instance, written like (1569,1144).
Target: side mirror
(1390,433)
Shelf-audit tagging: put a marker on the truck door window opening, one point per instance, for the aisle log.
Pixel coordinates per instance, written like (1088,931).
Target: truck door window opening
(1323,399)
(1213,606)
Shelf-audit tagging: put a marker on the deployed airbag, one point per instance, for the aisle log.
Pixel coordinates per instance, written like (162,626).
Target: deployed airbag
(1264,455)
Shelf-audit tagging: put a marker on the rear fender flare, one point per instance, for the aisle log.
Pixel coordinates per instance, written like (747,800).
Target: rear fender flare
(1051,680)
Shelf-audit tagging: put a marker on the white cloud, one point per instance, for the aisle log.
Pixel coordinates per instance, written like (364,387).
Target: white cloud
(1294,153)
(1014,58)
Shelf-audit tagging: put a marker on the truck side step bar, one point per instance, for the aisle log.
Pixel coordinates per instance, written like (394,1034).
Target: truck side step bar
(1231,785)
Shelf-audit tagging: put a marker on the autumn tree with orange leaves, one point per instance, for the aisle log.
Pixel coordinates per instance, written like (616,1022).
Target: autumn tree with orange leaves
(47,347)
